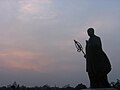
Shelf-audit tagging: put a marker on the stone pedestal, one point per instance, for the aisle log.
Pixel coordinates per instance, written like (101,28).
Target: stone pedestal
(100,89)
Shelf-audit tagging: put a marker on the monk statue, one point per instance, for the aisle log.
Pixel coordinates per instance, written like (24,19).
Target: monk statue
(97,62)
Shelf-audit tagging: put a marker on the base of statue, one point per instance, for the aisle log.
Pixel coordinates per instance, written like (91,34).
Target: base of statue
(100,89)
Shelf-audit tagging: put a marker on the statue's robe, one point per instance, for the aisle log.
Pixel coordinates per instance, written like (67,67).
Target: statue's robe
(96,60)
(97,63)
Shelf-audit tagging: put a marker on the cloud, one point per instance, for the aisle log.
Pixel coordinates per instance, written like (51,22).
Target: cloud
(24,60)
(35,9)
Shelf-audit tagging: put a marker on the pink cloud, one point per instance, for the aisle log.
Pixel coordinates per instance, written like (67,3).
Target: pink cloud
(24,60)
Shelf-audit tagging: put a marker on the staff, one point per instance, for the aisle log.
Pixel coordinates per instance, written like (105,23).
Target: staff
(79,47)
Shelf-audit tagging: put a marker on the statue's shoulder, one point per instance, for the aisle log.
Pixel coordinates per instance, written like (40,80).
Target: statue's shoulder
(96,37)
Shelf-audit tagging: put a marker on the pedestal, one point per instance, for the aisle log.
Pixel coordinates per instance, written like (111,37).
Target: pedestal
(100,89)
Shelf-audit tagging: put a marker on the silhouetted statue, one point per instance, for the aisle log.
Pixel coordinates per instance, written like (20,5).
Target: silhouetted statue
(97,62)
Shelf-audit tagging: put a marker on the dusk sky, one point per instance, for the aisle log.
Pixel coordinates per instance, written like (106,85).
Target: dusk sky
(36,40)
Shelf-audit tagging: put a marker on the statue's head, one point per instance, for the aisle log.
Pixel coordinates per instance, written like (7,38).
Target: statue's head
(90,32)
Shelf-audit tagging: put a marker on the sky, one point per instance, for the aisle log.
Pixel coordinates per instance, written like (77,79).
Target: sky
(36,40)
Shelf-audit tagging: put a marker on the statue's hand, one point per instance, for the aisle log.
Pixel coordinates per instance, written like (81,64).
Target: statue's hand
(85,56)
(86,41)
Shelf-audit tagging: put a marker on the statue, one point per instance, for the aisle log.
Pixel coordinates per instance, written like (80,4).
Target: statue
(97,62)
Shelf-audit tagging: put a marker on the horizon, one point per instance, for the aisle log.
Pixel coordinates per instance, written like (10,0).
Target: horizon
(37,40)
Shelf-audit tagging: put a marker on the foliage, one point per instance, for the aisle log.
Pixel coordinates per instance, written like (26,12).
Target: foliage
(116,84)
(80,86)
(16,86)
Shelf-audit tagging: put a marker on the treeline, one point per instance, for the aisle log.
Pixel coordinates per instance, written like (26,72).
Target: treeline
(16,86)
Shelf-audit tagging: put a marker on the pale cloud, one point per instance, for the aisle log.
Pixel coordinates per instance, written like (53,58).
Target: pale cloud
(35,9)
(81,34)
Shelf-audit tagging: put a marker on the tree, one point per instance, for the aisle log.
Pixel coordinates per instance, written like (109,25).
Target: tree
(80,86)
